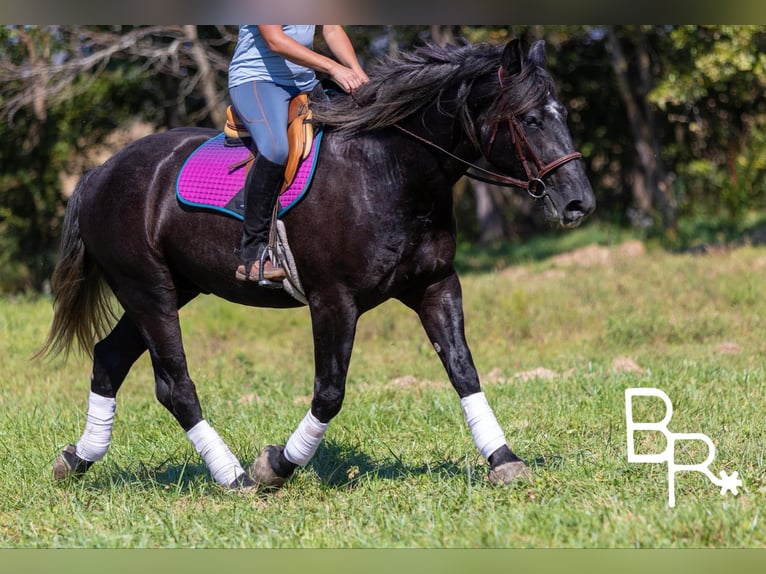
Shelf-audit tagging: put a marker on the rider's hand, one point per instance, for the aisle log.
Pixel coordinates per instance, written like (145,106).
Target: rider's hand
(347,78)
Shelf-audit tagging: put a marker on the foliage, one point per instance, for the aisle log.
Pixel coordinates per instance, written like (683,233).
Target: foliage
(35,153)
(713,99)
(63,90)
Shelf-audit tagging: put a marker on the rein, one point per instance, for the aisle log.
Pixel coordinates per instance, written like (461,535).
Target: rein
(534,186)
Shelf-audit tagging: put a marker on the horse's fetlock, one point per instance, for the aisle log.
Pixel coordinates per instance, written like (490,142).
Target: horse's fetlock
(501,456)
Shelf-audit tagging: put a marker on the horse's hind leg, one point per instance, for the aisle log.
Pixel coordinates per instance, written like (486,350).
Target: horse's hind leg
(440,310)
(156,315)
(112,359)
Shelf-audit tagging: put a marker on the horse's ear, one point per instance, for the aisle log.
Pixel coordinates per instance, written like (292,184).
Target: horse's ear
(512,57)
(537,54)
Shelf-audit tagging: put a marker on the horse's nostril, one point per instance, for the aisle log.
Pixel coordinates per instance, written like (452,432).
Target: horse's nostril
(575,207)
(575,211)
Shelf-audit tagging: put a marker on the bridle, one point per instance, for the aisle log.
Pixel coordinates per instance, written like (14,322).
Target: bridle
(533,185)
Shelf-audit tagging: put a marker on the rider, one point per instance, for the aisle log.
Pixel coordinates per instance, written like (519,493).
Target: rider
(272,64)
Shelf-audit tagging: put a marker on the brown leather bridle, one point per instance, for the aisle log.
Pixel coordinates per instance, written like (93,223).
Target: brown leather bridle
(534,186)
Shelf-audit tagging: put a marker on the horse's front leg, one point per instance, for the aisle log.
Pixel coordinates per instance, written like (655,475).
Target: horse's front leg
(440,308)
(334,327)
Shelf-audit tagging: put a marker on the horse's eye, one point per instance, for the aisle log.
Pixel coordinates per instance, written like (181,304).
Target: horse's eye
(531,122)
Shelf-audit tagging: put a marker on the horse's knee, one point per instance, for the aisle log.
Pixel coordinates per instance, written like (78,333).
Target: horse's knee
(327,403)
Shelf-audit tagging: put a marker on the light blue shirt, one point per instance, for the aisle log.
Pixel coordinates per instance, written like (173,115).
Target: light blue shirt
(252,59)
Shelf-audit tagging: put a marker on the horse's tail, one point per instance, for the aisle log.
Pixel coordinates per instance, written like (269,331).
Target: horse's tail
(81,303)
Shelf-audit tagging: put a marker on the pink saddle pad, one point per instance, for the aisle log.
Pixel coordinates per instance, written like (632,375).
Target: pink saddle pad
(213,177)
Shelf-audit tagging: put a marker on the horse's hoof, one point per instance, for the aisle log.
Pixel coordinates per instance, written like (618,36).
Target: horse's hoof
(68,464)
(263,473)
(510,472)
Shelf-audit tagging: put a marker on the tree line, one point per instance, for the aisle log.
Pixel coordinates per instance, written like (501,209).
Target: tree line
(670,119)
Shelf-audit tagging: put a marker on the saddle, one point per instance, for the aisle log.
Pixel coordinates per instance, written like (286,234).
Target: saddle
(300,134)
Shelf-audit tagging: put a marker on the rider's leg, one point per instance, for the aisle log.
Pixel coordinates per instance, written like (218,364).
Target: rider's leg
(262,107)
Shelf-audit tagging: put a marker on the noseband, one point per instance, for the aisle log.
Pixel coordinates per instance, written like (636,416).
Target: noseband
(534,186)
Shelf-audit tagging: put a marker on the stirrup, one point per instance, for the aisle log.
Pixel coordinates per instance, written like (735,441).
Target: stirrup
(262,281)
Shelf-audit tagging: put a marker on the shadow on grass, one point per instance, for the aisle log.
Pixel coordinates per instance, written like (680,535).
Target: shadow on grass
(177,477)
(336,465)
(342,466)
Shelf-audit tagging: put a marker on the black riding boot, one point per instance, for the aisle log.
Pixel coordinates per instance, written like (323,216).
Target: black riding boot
(262,187)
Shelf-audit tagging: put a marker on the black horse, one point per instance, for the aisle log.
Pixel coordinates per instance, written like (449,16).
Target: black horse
(377,224)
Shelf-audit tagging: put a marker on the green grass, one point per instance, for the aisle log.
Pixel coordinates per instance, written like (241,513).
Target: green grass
(557,341)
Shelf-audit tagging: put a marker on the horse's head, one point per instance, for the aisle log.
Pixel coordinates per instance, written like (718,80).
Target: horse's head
(524,134)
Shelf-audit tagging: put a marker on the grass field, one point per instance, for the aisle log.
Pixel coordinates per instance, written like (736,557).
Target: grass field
(557,340)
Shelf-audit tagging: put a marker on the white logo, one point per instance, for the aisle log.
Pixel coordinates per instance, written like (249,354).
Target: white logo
(725,481)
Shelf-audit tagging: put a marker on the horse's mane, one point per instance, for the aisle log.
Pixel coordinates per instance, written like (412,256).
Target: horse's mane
(404,83)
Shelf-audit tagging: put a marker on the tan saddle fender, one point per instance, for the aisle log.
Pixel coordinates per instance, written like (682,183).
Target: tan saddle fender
(300,133)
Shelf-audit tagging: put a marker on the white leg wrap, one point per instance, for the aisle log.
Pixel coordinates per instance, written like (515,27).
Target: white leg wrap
(303,443)
(223,465)
(95,440)
(487,434)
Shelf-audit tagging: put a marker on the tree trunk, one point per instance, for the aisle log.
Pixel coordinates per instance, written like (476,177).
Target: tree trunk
(489,213)
(207,77)
(650,186)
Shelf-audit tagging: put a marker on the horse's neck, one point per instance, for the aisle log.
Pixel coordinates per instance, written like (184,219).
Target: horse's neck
(445,135)
(441,128)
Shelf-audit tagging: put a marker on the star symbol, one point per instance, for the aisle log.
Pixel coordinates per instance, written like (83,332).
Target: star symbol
(730,482)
